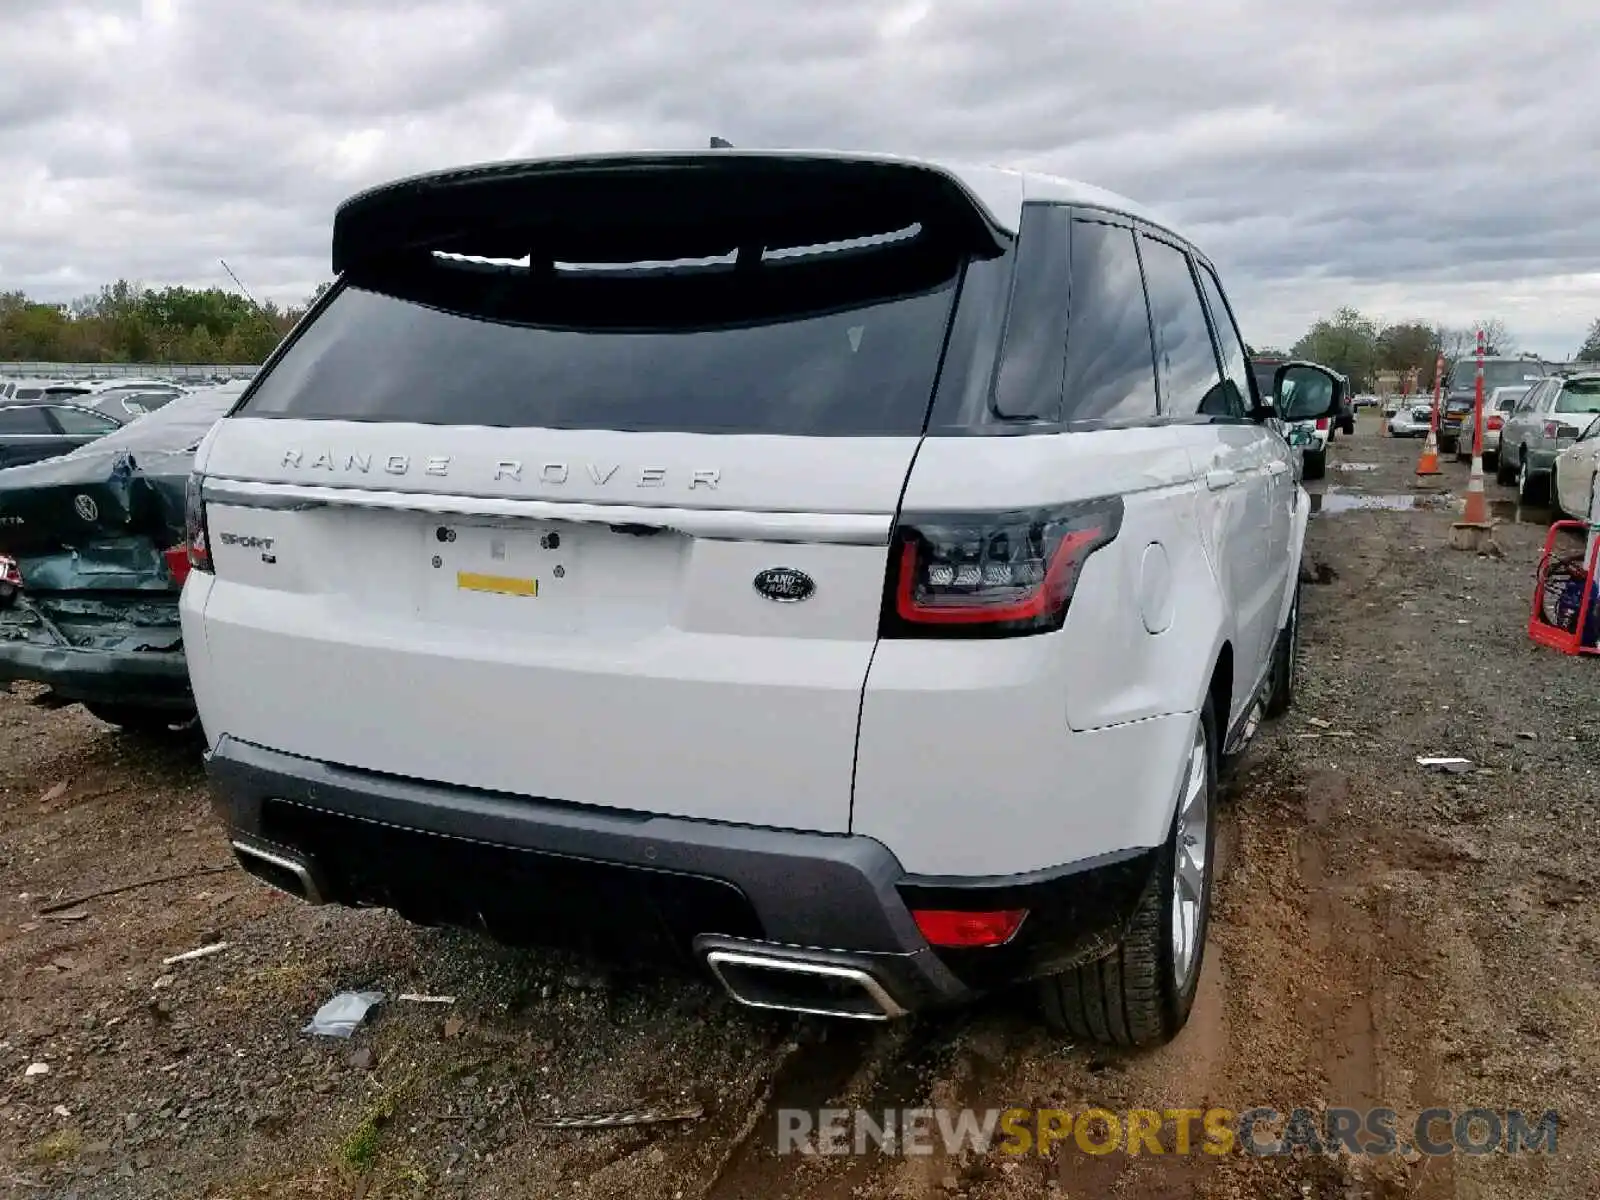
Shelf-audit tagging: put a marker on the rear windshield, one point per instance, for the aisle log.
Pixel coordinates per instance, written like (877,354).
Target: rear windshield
(841,340)
(179,425)
(1463,376)
(146,401)
(1579,396)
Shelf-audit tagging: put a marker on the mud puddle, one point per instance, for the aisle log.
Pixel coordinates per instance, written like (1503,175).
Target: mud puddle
(1520,514)
(1335,500)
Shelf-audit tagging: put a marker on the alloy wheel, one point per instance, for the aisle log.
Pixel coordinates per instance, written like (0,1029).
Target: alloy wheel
(1191,863)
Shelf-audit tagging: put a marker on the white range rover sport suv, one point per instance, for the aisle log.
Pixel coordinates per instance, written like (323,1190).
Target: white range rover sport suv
(843,572)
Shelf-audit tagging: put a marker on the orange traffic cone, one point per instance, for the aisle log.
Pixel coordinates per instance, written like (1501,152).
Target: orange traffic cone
(1477,508)
(1428,464)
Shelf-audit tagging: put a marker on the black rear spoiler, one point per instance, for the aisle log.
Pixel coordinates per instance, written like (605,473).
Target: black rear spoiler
(619,208)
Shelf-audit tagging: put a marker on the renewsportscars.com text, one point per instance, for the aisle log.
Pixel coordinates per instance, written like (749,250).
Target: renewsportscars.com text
(1214,1131)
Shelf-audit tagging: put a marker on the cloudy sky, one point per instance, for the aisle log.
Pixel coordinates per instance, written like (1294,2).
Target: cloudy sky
(1436,158)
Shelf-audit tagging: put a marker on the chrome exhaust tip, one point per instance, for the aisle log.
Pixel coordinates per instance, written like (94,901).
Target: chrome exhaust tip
(793,983)
(282,869)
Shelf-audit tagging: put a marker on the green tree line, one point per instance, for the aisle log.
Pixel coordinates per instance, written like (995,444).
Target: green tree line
(1365,349)
(128,323)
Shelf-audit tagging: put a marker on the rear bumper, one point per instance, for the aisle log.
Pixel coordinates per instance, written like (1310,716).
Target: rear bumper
(145,678)
(626,885)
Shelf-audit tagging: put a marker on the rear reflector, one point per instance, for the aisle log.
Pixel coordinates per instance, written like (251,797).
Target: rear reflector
(1322,422)
(178,563)
(966,929)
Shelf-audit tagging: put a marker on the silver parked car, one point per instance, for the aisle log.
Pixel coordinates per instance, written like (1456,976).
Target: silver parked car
(1497,407)
(1551,417)
(1412,420)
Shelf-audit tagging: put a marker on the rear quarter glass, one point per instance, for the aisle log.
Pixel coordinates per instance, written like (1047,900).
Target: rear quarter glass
(810,342)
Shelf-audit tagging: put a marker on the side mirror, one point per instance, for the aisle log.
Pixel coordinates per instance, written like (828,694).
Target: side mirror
(1306,392)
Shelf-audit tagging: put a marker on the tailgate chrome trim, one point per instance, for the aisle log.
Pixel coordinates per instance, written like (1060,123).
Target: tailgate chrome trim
(737,525)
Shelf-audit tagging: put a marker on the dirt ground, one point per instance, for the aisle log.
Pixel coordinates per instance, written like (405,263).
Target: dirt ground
(1385,936)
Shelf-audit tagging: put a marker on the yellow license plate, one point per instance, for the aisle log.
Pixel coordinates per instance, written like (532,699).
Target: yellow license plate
(504,585)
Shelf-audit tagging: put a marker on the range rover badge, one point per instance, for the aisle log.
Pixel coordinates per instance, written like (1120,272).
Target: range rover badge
(785,584)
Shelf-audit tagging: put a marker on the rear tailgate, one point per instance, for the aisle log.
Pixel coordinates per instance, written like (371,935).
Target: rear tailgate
(536,504)
(97,539)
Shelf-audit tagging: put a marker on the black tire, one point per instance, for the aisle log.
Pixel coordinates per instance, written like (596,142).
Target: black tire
(1531,488)
(1280,697)
(1314,464)
(143,722)
(1505,472)
(1133,996)
(1447,445)
(1463,455)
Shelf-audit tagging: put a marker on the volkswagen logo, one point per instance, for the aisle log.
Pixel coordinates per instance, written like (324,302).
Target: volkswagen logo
(785,584)
(86,507)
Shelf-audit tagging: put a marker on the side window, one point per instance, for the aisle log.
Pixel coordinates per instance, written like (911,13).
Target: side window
(1552,393)
(1235,370)
(80,422)
(24,420)
(1033,356)
(1111,371)
(1186,361)
(1530,401)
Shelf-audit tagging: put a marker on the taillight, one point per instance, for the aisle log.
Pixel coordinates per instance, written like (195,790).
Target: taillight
(991,574)
(966,929)
(1322,423)
(9,571)
(1494,422)
(195,532)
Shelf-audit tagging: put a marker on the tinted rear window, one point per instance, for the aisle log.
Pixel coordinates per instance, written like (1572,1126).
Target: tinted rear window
(1190,378)
(841,340)
(1111,372)
(26,419)
(1501,373)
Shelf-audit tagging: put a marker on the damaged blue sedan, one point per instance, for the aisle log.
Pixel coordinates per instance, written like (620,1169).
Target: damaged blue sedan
(92,559)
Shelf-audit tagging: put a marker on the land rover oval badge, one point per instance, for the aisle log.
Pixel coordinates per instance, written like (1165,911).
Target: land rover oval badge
(785,584)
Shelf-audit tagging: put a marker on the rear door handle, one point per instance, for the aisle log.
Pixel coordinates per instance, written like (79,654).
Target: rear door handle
(1219,479)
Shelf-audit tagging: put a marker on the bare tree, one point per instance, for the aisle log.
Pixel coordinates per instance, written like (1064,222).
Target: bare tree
(1497,339)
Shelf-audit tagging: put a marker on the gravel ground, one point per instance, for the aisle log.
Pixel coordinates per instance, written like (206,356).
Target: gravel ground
(1385,936)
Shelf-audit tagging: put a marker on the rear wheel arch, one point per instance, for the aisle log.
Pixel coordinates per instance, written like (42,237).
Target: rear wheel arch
(1219,689)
